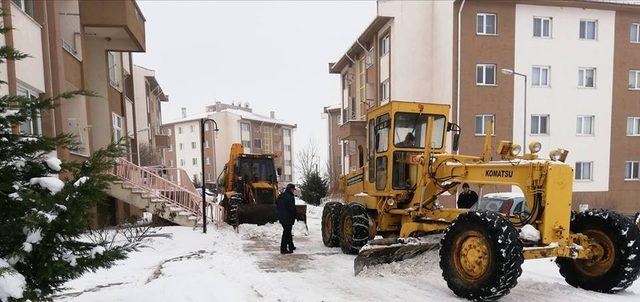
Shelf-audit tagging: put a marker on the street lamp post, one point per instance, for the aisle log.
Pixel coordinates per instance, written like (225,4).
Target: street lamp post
(524,120)
(203,122)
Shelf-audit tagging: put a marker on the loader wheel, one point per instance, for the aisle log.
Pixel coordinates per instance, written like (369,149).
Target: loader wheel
(231,210)
(481,255)
(617,239)
(354,225)
(331,223)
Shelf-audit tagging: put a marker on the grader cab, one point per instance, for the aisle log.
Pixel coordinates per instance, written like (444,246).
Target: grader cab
(409,169)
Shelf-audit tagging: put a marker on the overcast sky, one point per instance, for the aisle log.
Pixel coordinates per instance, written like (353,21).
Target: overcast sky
(273,55)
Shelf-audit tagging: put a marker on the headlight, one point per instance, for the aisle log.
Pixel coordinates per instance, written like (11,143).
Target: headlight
(515,150)
(535,147)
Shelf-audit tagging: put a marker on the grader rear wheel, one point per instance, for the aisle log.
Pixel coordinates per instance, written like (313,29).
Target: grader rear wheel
(481,255)
(331,215)
(616,241)
(354,225)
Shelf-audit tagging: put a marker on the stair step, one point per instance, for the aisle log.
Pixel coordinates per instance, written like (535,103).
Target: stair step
(192,217)
(138,191)
(175,209)
(148,195)
(184,213)
(157,200)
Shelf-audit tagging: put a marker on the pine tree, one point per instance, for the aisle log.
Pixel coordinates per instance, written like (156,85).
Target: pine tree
(43,218)
(314,187)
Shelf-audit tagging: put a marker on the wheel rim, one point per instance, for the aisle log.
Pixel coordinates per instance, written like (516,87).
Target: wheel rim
(605,255)
(471,256)
(326,230)
(347,229)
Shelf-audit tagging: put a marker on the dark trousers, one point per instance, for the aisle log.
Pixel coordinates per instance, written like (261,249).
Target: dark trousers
(286,244)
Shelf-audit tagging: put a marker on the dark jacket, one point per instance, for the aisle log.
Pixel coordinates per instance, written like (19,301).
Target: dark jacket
(286,208)
(467,200)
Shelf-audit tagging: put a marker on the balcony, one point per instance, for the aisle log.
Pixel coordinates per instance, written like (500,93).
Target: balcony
(119,23)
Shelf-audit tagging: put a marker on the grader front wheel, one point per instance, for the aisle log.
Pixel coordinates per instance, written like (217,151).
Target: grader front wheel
(354,225)
(331,215)
(616,243)
(480,256)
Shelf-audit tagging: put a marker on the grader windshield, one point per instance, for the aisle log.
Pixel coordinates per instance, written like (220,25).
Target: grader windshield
(410,130)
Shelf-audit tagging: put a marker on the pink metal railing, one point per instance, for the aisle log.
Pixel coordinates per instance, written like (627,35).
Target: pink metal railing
(178,176)
(159,187)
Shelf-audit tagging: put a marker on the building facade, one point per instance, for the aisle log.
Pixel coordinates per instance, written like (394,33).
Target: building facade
(148,107)
(259,134)
(580,59)
(78,45)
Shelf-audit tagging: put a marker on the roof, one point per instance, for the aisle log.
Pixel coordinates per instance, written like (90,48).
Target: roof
(258,117)
(189,118)
(357,47)
(332,107)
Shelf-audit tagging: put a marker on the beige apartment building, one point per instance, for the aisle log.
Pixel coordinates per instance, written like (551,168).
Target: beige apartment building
(237,123)
(82,45)
(580,59)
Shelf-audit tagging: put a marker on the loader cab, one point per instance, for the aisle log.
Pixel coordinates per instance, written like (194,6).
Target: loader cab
(397,135)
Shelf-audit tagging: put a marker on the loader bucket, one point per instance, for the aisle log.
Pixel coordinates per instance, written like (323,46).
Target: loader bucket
(388,250)
(257,214)
(301,212)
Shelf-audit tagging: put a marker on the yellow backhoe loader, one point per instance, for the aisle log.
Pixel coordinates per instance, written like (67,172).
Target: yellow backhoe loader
(249,188)
(396,196)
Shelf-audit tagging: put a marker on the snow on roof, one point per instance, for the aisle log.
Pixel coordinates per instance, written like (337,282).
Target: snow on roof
(189,118)
(257,117)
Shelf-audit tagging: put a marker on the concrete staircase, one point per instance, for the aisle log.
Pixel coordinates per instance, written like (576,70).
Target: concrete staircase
(146,189)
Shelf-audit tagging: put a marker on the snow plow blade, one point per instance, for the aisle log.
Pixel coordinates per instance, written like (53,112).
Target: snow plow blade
(387,250)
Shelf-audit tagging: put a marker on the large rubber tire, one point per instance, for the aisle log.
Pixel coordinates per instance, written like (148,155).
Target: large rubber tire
(331,223)
(489,242)
(231,209)
(354,228)
(618,268)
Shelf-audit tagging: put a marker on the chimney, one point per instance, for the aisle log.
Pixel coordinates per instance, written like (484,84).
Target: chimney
(184,112)
(272,114)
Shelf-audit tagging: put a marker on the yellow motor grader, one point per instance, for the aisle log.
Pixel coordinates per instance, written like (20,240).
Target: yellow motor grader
(249,188)
(395,195)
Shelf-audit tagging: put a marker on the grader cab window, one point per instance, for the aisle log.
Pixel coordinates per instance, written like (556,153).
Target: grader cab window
(383,123)
(410,130)
(405,174)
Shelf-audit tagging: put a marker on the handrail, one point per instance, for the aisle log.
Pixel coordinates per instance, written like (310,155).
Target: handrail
(176,175)
(161,188)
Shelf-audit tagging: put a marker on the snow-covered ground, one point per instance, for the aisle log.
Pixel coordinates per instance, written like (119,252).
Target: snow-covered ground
(247,266)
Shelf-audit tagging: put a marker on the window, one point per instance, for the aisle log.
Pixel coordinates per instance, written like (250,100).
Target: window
(113,69)
(385,45)
(170,163)
(486,24)
(540,76)
(194,161)
(208,176)
(192,128)
(170,147)
(587,77)
(485,74)
(179,130)
(32,126)
(585,125)
(193,145)
(634,33)
(631,169)
(381,172)
(634,79)
(362,81)
(410,130)
(542,27)
(372,147)
(168,131)
(181,146)
(633,126)
(207,161)
(117,127)
(286,133)
(267,139)
(287,147)
(583,170)
(383,124)
(384,90)
(287,162)
(182,163)
(481,123)
(588,29)
(257,143)
(539,124)
(26,6)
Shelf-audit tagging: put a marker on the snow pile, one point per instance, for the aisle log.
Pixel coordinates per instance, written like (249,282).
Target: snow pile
(427,262)
(54,163)
(270,231)
(53,184)
(12,284)
(80,181)
(529,233)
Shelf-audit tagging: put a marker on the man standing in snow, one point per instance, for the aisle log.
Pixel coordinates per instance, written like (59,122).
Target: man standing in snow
(467,198)
(286,207)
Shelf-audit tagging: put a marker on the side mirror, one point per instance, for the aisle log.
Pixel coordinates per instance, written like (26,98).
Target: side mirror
(279,171)
(456,141)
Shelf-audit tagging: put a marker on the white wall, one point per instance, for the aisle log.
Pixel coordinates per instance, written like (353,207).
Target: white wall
(140,95)
(27,38)
(421,50)
(188,153)
(563,100)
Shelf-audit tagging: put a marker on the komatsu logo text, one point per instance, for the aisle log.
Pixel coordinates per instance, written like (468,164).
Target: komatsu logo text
(498,173)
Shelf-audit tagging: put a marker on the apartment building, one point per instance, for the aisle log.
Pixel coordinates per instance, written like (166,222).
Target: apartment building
(237,123)
(148,107)
(580,60)
(78,45)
